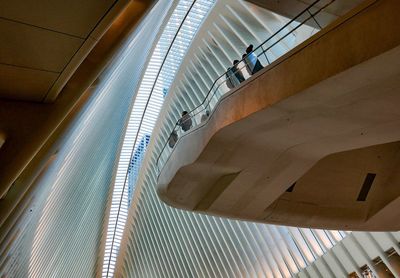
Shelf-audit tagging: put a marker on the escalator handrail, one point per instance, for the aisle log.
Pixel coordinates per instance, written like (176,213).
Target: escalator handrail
(193,113)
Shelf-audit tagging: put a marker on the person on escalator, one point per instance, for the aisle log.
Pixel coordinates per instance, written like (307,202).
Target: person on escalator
(185,121)
(252,60)
(236,70)
(205,116)
(231,79)
(246,62)
(173,138)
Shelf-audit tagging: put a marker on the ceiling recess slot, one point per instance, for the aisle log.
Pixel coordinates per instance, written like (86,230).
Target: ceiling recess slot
(2,139)
(290,189)
(369,179)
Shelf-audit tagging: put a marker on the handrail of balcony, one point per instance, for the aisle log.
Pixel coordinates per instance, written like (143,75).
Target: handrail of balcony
(204,108)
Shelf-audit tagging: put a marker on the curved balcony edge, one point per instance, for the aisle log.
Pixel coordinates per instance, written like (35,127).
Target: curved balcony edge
(278,131)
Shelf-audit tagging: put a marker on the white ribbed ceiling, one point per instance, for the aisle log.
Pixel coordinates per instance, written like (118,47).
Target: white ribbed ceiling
(170,50)
(161,241)
(55,228)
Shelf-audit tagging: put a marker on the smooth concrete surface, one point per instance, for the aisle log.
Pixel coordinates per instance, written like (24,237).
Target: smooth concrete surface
(29,126)
(331,102)
(44,42)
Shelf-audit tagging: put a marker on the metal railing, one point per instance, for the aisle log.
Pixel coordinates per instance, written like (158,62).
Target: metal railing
(224,83)
(115,225)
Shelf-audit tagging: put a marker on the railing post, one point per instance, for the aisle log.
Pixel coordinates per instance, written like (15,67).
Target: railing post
(265,53)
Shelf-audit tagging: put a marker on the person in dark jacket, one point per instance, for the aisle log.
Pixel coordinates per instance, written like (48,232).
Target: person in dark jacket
(245,60)
(252,60)
(231,79)
(185,121)
(204,117)
(173,138)
(236,70)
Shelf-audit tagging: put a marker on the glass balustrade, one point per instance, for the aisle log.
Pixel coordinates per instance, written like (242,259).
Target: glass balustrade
(264,54)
